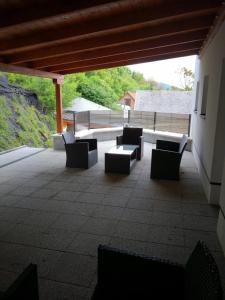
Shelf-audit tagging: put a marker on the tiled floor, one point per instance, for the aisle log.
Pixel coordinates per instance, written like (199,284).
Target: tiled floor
(56,217)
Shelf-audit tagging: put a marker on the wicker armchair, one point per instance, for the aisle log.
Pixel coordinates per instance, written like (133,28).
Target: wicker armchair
(82,153)
(166,159)
(132,136)
(25,287)
(122,275)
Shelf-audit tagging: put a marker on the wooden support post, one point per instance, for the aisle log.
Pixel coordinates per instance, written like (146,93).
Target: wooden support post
(59,109)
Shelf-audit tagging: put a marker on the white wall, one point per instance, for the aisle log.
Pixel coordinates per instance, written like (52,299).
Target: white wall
(208,132)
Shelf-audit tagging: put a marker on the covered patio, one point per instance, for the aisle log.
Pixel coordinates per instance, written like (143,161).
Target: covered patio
(56,217)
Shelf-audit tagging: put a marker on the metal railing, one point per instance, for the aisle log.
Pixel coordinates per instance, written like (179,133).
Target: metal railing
(170,122)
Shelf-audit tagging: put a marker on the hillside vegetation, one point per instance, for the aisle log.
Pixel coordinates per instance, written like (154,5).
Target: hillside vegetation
(27,104)
(105,87)
(21,120)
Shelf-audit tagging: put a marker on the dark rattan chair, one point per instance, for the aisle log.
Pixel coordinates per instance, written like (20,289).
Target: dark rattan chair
(25,287)
(80,153)
(166,159)
(123,276)
(132,136)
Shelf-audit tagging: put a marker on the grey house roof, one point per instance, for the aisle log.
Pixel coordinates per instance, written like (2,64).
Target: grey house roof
(164,101)
(82,104)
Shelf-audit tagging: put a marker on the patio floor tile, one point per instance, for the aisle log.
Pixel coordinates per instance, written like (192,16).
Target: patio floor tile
(87,244)
(56,217)
(75,269)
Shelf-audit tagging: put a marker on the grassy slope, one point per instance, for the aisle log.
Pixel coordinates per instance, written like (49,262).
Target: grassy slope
(22,124)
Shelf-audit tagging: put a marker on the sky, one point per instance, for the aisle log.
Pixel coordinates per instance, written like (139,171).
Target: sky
(165,71)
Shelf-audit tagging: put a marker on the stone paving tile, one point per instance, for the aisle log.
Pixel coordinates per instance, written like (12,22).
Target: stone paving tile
(87,244)
(74,268)
(5,226)
(194,198)
(139,193)
(14,214)
(15,258)
(38,218)
(78,187)
(167,219)
(69,222)
(47,205)
(165,235)
(57,239)
(120,201)
(140,203)
(9,200)
(108,212)
(37,182)
(98,189)
(86,209)
(23,190)
(131,230)
(99,226)
(52,290)
(137,215)
(199,223)
(6,188)
(199,209)
(43,193)
(90,198)
(167,206)
(66,196)
(118,191)
(84,179)
(168,195)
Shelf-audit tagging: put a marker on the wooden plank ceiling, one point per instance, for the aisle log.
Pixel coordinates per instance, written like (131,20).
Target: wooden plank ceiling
(73,36)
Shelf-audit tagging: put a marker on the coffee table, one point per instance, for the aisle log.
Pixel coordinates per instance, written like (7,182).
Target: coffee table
(121,159)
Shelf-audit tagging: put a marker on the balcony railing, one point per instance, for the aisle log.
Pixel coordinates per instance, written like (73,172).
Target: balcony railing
(170,122)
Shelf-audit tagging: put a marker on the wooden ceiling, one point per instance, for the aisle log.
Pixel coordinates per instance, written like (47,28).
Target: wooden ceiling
(70,36)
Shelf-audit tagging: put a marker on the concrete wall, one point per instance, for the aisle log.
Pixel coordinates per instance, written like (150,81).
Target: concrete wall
(208,131)
(108,134)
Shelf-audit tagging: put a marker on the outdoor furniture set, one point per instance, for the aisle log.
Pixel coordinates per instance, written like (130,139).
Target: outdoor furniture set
(165,163)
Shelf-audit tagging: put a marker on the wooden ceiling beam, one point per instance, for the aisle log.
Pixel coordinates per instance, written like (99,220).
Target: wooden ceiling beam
(127,56)
(30,72)
(131,62)
(181,38)
(91,43)
(122,18)
(33,10)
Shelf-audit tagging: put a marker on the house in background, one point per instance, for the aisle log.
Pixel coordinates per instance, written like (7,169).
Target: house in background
(177,102)
(128,100)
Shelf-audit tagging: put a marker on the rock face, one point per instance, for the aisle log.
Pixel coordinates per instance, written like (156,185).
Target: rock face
(22,121)
(9,90)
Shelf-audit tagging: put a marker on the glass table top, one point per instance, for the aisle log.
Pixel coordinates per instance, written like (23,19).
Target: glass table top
(123,149)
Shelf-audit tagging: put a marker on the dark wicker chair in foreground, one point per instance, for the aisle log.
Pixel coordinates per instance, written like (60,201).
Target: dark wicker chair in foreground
(132,136)
(25,287)
(125,276)
(80,153)
(166,159)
